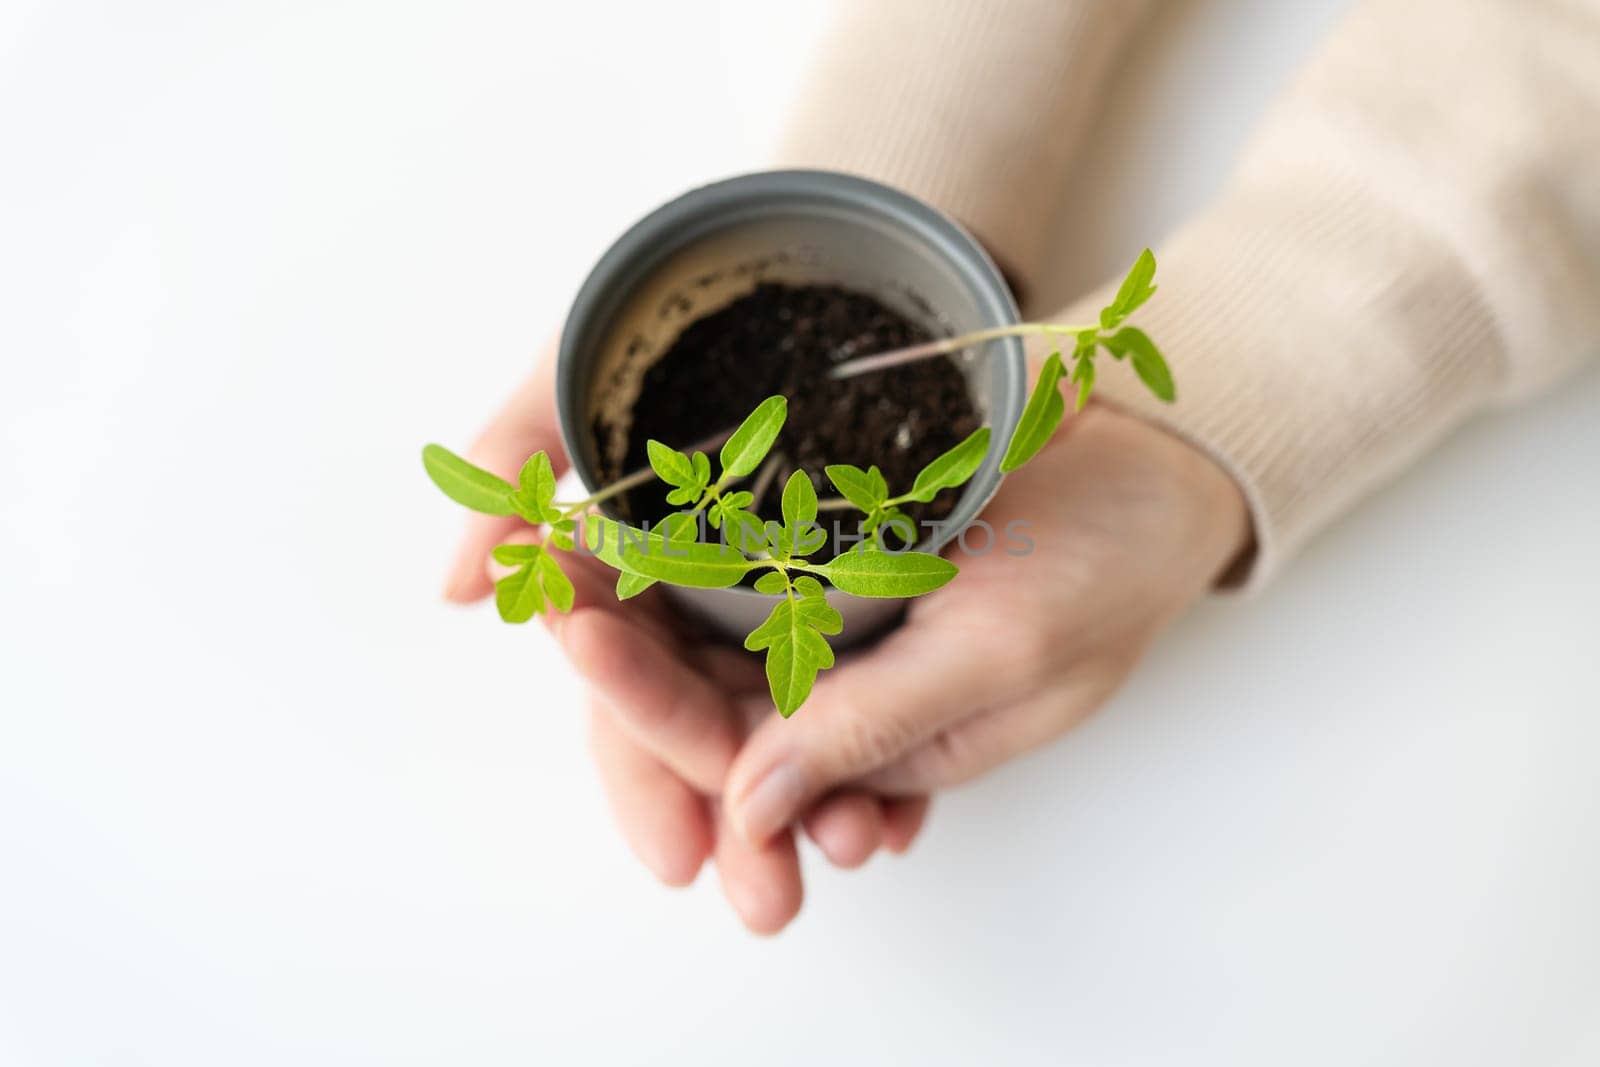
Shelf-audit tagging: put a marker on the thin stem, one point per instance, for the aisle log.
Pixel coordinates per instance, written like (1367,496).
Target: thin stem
(834,503)
(764,477)
(637,478)
(928,349)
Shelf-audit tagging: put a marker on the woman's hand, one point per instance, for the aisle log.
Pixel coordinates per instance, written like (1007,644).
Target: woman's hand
(1129,526)
(667,715)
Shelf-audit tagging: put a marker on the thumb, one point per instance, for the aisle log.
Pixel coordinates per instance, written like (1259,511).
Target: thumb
(860,717)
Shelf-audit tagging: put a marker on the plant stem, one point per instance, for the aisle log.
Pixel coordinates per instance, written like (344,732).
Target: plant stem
(637,478)
(764,477)
(928,349)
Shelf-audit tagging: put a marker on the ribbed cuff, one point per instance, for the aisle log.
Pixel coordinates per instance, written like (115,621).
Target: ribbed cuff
(1318,345)
(974,106)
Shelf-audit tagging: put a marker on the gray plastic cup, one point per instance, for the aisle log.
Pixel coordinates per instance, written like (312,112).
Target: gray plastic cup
(712,245)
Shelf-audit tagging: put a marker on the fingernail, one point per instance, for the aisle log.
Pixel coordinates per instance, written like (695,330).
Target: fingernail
(770,804)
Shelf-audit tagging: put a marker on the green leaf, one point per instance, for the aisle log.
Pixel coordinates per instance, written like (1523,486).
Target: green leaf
(670,465)
(808,587)
(795,653)
(519,596)
(511,555)
(880,486)
(1083,374)
(537,483)
(953,468)
(888,574)
(855,485)
(686,494)
(813,607)
(631,585)
(1135,290)
(1040,418)
(470,486)
(697,565)
(605,537)
(799,501)
(900,524)
(702,469)
(557,586)
(1147,361)
(771,582)
(750,443)
(745,531)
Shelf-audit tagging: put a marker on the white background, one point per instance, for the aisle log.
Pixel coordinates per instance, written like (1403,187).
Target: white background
(264,800)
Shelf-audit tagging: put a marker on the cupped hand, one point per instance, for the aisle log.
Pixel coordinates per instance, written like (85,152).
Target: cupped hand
(1128,525)
(668,713)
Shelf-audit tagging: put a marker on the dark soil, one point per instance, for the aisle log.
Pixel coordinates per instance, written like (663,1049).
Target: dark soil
(784,339)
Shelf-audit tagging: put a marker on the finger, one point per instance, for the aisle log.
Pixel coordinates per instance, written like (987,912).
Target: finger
(658,700)
(594,586)
(865,714)
(665,823)
(735,670)
(973,746)
(902,821)
(527,424)
(847,826)
(762,882)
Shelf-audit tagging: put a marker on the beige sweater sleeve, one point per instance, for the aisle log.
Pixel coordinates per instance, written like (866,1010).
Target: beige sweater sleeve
(1413,236)
(976,106)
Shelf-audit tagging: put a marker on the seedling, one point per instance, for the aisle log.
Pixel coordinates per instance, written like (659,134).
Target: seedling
(680,551)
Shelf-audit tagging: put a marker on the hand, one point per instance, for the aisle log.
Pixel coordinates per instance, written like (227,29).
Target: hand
(1129,525)
(662,735)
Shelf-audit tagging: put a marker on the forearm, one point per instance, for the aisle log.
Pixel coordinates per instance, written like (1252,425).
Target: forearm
(975,106)
(1413,236)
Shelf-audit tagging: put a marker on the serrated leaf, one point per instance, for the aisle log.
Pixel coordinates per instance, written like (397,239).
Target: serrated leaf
(799,500)
(795,653)
(818,614)
(1148,363)
(771,582)
(686,494)
(670,465)
(466,484)
(806,539)
(697,565)
(953,468)
(1135,290)
(557,586)
(1040,418)
(808,587)
(743,452)
(518,596)
(855,485)
(899,523)
(1083,374)
(888,574)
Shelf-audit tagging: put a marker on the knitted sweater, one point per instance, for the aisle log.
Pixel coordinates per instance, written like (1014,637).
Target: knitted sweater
(1412,236)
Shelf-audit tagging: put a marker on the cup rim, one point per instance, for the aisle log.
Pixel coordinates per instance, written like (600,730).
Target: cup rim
(668,228)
